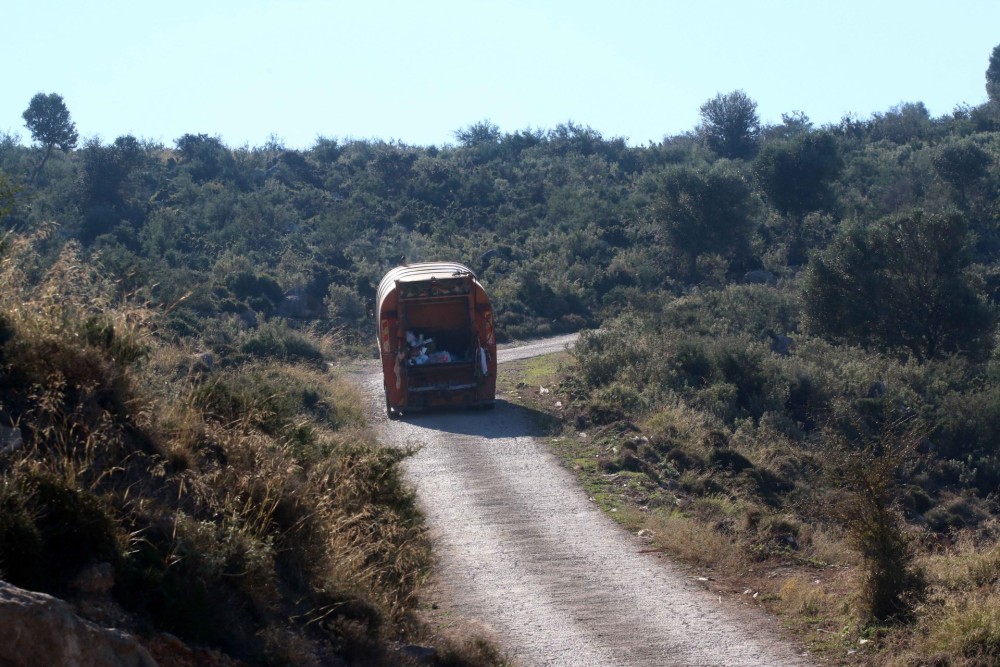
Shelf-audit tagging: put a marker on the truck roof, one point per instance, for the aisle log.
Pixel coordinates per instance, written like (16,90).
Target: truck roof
(426,271)
(420,272)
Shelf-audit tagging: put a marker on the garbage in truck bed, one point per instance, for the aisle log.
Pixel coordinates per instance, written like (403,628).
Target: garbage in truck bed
(435,332)
(423,351)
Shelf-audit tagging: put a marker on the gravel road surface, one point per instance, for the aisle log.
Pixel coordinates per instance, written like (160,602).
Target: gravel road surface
(524,552)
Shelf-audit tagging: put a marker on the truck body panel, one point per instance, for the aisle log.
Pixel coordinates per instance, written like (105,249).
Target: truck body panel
(436,338)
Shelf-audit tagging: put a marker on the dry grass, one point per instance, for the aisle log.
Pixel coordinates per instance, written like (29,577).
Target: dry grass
(805,598)
(695,542)
(959,624)
(677,425)
(966,628)
(244,506)
(828,549)
(969,564)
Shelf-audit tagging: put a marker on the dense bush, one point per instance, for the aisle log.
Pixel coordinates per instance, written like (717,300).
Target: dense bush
(900,283)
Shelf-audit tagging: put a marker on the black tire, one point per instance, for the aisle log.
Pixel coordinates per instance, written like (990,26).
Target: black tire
(389,412)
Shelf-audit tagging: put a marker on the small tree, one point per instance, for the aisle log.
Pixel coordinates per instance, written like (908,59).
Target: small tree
(867,474)
(48,119)
(204,157)
(901,124)
(483,132)
(993,76)
(730,125)
(108,184)
(792,125)
(795,177)
(899,283)
(107,170)
(962,163)
(703,212)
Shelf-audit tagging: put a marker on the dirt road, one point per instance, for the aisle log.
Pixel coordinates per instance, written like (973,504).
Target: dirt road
(524,552)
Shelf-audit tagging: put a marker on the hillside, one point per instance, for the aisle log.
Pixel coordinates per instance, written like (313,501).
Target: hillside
(789,355)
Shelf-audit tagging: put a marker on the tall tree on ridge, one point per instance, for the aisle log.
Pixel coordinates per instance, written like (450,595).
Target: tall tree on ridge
(993,75)
(48,119)
(730,125)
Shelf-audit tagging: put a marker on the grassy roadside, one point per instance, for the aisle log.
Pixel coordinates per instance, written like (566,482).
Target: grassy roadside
(739,548)
(231,497)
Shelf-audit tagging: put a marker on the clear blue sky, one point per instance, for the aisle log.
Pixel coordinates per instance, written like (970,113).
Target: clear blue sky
(416,72)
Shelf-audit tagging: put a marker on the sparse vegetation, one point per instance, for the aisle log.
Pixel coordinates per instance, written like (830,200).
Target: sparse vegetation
(761,304)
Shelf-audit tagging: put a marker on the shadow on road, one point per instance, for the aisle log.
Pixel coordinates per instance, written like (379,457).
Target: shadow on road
(506,420)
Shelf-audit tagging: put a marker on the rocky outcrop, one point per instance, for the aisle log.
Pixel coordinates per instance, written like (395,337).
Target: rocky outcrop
(299,305)
(39,629)
(759,277)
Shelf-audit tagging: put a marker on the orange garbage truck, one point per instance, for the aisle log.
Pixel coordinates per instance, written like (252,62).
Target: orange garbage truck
(436,339)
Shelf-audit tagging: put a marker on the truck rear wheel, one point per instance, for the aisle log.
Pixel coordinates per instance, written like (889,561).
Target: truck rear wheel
(389,411)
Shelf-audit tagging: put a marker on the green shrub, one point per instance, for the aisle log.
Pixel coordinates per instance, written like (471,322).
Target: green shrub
(49,530)
(735,310)
(720,400)
(807,400)
(727,459)
(21,545)
(627,400)
(604,356)
(344,304)
(772,487)
(276,340)
(744,366)
(693,363)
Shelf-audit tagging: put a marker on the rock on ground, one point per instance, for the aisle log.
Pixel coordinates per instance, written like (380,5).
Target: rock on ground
(39,629)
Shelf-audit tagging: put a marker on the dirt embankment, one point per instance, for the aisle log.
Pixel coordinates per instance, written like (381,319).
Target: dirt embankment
(523,552)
